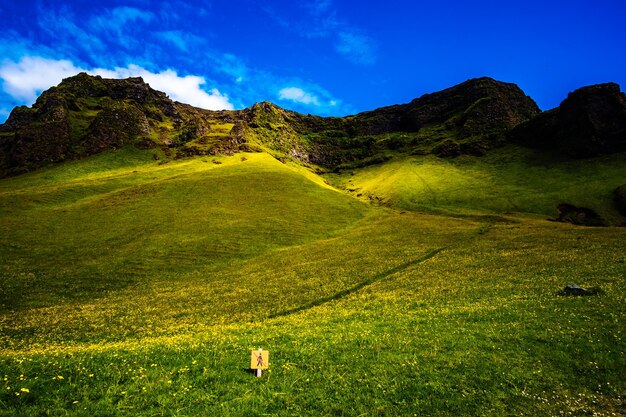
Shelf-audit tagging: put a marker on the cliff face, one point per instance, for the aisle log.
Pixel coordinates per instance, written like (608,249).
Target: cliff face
(85,115)
(590,121)
(476,107)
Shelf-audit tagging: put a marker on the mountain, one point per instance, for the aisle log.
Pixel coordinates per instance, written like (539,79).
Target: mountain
(137,279)
(590,121)
(85,115)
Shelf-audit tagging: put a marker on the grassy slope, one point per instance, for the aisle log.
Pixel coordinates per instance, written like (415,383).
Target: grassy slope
(508,179)
(81,231)
(121,300)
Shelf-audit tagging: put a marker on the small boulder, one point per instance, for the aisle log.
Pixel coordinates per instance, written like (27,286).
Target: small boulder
(576,290)
(447,149)
(581,216)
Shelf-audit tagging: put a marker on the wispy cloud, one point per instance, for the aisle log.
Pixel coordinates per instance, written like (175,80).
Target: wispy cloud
(320,20)
(298,95)
(319,7)
(173,12)
(349,41)
(118,17)
(14,47)
(356,47)
(184,41)
(231,65)
(63,26)
(276,16)
(117,22)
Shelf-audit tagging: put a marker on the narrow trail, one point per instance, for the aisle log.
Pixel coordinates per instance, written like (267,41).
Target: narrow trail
(426,185)
(480,232)
(360,285)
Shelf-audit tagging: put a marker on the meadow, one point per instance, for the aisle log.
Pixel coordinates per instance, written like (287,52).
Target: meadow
(136,287)
(508,179)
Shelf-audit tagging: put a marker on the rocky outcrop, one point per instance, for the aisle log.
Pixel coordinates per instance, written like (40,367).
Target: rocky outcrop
(469,118)
(590,121)
(85,115)
(476,107)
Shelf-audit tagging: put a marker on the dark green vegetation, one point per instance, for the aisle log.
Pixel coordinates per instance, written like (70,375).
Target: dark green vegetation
(590,121)
(85,115)
(387,282)
(619,197)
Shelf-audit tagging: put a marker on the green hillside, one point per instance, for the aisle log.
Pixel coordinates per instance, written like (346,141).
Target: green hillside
(396,262)
(508,179)
(132,287)
(85,230)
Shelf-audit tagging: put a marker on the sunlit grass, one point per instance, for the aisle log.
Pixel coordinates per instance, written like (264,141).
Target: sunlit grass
(141,293)
(511,179)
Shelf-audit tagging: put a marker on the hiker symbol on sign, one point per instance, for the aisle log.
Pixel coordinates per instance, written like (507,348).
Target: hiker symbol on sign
(259,359)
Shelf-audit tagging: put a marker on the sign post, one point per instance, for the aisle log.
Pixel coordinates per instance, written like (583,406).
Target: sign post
(259,360)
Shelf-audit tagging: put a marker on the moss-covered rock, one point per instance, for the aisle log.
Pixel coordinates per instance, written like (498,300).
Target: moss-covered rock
(117,125)
(581,216)
(85,115)
(447,149)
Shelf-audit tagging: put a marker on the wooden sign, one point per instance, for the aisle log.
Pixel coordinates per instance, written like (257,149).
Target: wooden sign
(259,359)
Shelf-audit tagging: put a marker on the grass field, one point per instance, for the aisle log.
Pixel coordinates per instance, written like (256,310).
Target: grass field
(131,287)
(509,179)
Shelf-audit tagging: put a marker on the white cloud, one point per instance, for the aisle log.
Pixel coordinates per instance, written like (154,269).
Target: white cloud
(313,96)
(26,79)
(298,95)
(184,89)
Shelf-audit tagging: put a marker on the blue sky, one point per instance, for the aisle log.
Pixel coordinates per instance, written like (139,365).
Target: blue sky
(326,57)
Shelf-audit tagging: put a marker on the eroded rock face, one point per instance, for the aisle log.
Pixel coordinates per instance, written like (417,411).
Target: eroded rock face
(116,126)
(590,121)
(85,115)
(476,107)
(34,146)
(447,149)
(469,118)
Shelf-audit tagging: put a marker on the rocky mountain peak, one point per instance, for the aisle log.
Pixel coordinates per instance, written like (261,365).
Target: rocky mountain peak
(590,121)
(87,114)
